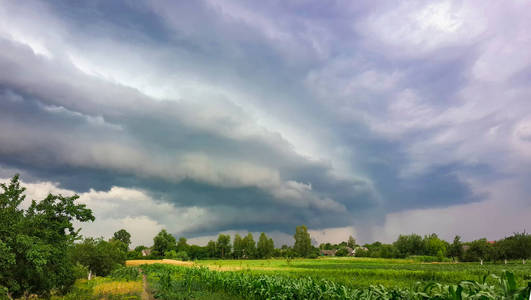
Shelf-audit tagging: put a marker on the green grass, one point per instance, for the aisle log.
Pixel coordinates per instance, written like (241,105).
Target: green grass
(103,288)
(363,272)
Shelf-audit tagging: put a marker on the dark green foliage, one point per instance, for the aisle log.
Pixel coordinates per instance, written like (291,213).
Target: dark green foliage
(99,256)
(265,246)
(34,243)
(182,245)
(197,252)
(478,250)
(123,236)
(455,250)
(407,245)
(212,249)
(223,245)
(351,242)
(249,246)
(163,242)
(238,246)
(303,242)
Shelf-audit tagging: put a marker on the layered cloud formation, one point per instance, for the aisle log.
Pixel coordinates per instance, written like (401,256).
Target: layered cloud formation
(200,117)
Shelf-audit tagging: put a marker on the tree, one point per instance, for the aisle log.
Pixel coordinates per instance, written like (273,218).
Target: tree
(407,245)
(163,242)
(351,242)
(434,246)
(303,242)
(519,246)
(238,246)
(477,250)
(249,246)
(182,245)
(197,252)
(455,250)
(212,249)
(123,236)
(265,246)
(99,256)
(34,243)
(223,245)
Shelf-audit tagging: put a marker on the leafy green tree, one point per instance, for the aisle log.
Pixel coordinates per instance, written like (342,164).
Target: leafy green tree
(303,242)
(265,246)
(351,242)
(34,243)
(212,249)
(140,248)
(238,246)
(477,250)
(99,256)
(197,252)
(249,246)
(163,242)
(407,245)
(123,236)
(182,245)
(434,246)
(455,250)
(519,246)
(388,251)
(223,245)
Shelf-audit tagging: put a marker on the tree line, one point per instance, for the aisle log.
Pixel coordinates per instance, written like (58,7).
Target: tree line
(166,245)
(41,252)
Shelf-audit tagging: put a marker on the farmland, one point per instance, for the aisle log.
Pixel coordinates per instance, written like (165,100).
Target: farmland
(333,278)
(363,272)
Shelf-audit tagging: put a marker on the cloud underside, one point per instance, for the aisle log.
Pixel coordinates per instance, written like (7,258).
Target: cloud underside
(220,116)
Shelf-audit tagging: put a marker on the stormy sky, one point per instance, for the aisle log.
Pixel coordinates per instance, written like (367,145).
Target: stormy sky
(365,118)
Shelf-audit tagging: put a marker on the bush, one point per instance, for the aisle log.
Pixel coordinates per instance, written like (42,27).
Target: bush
(428,258)
(182,255)
(80,271)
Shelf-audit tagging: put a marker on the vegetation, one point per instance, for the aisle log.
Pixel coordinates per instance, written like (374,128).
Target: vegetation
(35,243)
(172,281)
(99,256)
(363,272)
(103,288)
(42,254)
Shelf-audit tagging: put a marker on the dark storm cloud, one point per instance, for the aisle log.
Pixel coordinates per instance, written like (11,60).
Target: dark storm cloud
(263,116)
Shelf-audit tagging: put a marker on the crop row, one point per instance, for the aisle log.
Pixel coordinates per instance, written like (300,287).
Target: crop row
(170,282)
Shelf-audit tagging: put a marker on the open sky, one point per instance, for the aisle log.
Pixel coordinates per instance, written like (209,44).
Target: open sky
(364,118)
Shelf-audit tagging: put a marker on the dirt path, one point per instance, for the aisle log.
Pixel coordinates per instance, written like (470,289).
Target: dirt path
(146,295)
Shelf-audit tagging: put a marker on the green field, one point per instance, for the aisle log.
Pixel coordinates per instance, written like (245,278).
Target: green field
(338,278)
(363,272)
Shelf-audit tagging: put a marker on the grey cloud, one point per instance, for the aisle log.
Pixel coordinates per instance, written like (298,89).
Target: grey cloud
(268,115)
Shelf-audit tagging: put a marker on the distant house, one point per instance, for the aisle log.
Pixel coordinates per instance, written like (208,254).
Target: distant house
(328,252)
(146,252)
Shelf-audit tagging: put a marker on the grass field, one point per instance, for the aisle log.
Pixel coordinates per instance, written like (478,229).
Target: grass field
(103,288)
(363,272)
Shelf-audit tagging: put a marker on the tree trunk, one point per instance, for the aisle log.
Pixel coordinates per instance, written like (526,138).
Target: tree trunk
(505,260)
(481,261)
(523,261)
(90,275)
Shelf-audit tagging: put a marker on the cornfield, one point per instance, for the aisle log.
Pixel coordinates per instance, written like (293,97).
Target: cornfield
(173,282)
